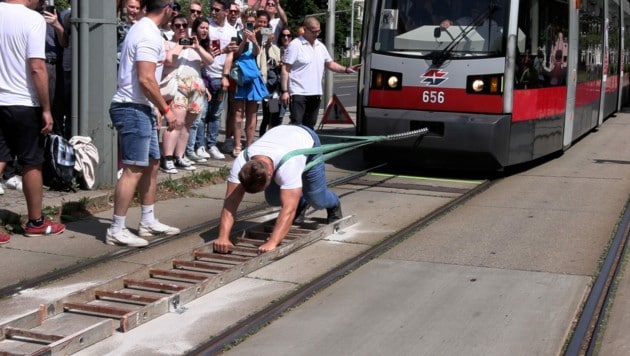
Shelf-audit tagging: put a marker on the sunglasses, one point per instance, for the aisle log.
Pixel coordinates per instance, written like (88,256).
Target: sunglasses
(180,25)
(286,35)
(195,11)
(234,11)
(214,9)
(272,4)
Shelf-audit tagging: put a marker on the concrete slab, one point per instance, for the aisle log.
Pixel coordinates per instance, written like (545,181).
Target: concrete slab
(408,308)
(524,239)
(22,264)
(175,334)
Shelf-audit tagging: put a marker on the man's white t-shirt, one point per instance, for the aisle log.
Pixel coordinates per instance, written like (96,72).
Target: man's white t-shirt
(224,34)
(22,37)
(275,144)
(307,66)
(143,43)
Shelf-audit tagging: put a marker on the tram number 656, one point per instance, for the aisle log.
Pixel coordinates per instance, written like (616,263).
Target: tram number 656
(433,97)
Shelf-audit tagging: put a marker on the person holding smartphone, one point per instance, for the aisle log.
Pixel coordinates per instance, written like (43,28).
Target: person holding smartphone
(184,59)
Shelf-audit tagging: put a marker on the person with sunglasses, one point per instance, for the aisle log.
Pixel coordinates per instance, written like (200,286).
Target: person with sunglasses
(195,10)
(277,17)
(302,72)
(218,74)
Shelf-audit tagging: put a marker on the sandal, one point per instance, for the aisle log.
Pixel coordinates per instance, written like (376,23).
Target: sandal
(236,151)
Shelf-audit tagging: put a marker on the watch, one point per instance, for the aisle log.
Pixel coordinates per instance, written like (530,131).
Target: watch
(226,75)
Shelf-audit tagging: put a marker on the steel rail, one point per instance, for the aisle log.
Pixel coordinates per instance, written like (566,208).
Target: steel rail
(586,332)
(124,252)
(257,320)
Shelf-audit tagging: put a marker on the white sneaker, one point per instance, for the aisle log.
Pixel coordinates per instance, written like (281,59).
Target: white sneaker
(201,152)
(124,237)
(184,164)
(168,166)
(1,191)
(192,156)
(157,228)
(215,153)
(14,182)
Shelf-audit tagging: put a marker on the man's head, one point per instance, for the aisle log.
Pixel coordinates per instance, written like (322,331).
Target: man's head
(160,11)
(312,29)
(194,10)
(132,7)
(218,11)
(233,13)
(254,176)
(177,9)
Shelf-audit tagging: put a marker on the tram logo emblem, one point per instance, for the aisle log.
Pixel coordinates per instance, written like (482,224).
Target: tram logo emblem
(433,77)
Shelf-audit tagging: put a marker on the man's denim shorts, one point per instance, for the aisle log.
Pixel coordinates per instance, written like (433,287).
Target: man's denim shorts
(137,133)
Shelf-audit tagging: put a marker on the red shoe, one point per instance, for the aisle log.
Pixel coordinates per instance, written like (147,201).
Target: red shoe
(4,238)
(49,227)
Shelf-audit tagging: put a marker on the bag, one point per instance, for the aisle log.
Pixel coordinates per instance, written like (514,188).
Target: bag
(273,77)
(237,74)
(58,168)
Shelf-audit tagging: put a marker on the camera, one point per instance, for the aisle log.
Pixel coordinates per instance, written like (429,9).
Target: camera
(266,31)
(249,26)
(185,41)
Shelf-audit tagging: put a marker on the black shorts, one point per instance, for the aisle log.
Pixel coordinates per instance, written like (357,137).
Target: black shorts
(20,135)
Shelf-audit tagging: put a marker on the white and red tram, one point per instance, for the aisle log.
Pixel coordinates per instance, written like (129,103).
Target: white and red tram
(496,82)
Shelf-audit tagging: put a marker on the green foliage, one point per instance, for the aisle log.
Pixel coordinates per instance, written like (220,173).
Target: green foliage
(61,5)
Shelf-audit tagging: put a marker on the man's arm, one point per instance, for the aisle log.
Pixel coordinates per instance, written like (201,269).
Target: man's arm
(39,77)
(283,15)
(233,197)
(289,200)
(284,84)
(151,89)
(338,68)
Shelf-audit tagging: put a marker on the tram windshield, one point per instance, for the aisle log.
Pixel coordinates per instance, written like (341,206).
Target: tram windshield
(441,28)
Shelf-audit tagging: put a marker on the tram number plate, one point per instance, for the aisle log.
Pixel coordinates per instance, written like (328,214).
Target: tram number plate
(433,97)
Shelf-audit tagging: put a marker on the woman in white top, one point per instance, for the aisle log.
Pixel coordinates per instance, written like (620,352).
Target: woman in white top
(183,63)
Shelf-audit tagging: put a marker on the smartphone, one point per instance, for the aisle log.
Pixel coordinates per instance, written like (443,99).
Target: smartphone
(249,26)
(185,41)
(266,31)
(236,40)
(49,8)
(216,45)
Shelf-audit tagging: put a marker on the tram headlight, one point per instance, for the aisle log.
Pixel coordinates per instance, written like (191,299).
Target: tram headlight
(477,85)
(385,80)
(485,84)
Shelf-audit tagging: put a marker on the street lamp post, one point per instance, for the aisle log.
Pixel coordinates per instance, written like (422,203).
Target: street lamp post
(352,30)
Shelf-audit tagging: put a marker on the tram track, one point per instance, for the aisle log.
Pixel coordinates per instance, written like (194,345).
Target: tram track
(257,320)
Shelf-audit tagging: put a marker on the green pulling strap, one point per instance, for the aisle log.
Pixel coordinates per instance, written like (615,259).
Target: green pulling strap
(329,151)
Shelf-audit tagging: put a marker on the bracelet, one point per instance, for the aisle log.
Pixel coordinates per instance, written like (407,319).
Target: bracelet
(165,111)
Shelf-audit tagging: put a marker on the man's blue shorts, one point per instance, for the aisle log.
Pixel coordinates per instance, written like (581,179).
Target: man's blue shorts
(137,132)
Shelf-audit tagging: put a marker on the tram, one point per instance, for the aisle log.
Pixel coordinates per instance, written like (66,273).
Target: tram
(496,82)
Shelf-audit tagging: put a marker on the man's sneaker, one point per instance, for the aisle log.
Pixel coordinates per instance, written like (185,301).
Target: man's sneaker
(167,166)
(334,214)
(184,164)
(156,229)
(215,153)
(300,214)
(4,238)
(201,152)
(14,182)
(124,237)
(1,191)
(195,158)
(49,227)
(228,145)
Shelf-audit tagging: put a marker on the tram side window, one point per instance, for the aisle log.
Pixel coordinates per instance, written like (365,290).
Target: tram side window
(542,45)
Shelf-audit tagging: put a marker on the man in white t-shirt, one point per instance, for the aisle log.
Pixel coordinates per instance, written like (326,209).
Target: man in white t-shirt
(25,115)
(302,73)
(218,72)
(286,184)
(132,112)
